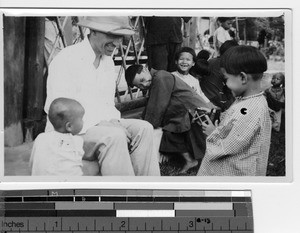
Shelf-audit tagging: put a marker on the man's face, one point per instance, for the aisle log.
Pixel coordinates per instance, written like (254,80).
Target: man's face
(143,80)
(106,43)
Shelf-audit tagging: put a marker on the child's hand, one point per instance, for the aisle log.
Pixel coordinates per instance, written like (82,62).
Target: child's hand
(208,127)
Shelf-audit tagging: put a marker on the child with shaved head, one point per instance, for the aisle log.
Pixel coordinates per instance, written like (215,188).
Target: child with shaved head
(59,152)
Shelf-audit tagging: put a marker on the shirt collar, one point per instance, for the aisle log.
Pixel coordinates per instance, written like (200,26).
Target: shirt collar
(248,97)
(89,52)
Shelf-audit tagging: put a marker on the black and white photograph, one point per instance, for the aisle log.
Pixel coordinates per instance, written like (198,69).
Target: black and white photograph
(189,94)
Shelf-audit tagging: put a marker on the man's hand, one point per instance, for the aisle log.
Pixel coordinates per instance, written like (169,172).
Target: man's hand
(208,127)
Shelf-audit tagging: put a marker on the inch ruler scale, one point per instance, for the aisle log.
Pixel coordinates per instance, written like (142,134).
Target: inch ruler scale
(127,211)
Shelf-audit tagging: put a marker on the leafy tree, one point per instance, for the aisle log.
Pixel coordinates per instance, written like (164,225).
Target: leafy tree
(250,27)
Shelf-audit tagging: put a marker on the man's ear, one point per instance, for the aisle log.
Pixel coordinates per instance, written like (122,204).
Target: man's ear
(68,127)
(244,77)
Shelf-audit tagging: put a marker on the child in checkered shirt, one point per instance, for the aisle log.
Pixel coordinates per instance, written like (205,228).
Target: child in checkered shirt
(239,145)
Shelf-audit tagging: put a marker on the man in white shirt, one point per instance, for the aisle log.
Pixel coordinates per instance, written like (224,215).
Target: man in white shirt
(85,72)
(222,34)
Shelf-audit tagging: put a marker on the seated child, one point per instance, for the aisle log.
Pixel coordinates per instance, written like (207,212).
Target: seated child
(185,60)
(239,145)
(60,152)
(276,99)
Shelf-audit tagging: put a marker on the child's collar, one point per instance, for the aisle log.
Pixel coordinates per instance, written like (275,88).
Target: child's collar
(250,96)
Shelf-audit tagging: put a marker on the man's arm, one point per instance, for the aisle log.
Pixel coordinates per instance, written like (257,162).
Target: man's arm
(159,98)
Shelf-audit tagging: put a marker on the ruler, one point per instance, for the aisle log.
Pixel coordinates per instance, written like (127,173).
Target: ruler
(130,211)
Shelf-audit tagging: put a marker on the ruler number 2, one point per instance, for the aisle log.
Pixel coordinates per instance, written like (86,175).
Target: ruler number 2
(123,223)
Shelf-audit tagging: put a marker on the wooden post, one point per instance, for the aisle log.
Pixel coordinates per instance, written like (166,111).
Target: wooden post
(34,77)
(14,55)
(193,32)
(34,80)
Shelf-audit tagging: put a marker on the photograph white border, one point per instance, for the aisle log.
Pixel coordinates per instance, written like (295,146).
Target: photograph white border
(178,12)
(275,205)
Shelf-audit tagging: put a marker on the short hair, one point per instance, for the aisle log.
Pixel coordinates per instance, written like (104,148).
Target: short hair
(223,19)
(186,50)
(201,67)
(226,45)
(61,110)
(203,54)
(131,72)
(244,58)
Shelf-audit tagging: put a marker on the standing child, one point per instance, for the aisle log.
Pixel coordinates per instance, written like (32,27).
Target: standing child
(185,60)
(239,145)
(60,152)
(276,99)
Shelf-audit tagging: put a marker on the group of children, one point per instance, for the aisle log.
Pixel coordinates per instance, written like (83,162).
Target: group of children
(237,145)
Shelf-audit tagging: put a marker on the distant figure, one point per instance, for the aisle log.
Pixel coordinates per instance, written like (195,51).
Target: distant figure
(239,145)
(213,82)
(163,39)
(261,38)
(276,99)
(203,54)
(60,152)
(222,32)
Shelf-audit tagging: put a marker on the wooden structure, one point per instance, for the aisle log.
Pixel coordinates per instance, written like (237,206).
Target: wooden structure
(14,70)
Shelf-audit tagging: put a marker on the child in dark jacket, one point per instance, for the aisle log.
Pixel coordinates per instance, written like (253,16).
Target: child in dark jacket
(276,99)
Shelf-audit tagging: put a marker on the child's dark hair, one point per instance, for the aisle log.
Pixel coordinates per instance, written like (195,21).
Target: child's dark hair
(227,45)
(131,72)
(200,68)
(186,50)
(223,19)
(203,54)
(243,58)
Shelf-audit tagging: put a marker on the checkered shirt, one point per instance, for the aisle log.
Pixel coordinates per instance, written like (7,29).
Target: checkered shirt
(240,145)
